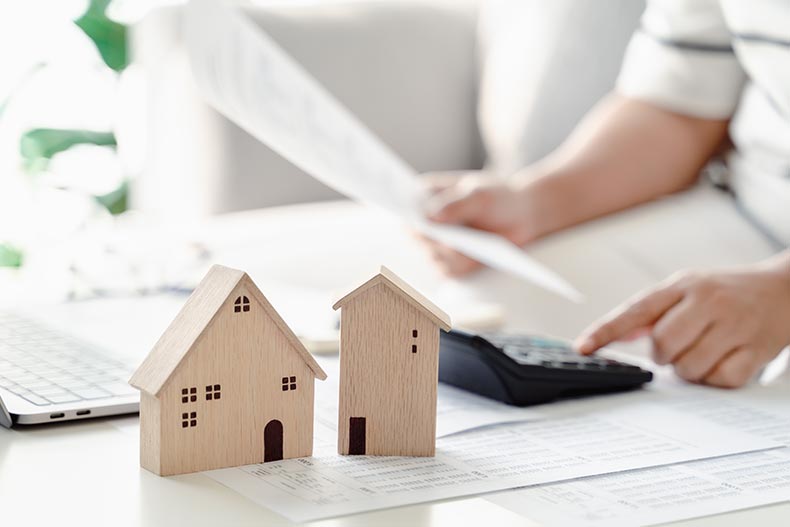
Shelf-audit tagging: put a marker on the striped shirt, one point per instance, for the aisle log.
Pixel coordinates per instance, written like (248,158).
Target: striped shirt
(720,59)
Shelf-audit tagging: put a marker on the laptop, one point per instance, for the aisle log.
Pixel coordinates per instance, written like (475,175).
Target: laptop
(47,375)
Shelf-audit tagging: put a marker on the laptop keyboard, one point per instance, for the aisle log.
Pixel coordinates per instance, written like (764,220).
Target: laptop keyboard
(46,367)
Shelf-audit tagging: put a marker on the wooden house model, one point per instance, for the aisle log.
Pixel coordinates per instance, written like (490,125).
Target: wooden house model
(227,384)
(389,363)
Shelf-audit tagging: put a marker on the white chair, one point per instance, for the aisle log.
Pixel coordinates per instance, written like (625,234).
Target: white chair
(411,70)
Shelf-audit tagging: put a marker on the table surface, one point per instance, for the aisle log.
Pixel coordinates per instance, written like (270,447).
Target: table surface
(89,471)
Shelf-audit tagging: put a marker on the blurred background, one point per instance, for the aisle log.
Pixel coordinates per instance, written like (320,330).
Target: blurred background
(67,160)
(107,152)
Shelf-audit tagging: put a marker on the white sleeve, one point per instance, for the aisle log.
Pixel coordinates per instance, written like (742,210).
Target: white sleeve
(682,59)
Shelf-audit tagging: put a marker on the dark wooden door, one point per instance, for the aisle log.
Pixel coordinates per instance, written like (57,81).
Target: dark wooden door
(356,436)
(273,441)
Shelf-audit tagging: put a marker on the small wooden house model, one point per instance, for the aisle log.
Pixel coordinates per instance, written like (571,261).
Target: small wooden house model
(389,363)
(227,384)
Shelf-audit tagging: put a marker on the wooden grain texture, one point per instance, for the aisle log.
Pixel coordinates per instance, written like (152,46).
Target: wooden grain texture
(410,294)
(150,433)
(247,354)
(195,317)
(381,377)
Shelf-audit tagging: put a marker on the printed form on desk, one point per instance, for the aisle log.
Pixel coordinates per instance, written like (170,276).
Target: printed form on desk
(556,448)
(677,492)
(456,410)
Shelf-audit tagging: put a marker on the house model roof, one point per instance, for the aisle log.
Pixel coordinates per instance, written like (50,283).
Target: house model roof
(195,318)
(411,295)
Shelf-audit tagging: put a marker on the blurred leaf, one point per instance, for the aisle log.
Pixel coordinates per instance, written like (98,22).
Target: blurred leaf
(108,35)
(116,201)
(4,104)
(39,145)
(9,256)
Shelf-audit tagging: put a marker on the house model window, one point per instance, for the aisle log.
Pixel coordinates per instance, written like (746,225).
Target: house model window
(189,394)
(414,336)
(242,304)
(289,383)
(213,392)
(188,419)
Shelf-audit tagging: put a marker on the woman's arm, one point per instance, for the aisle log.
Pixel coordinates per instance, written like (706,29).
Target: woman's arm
(625,152)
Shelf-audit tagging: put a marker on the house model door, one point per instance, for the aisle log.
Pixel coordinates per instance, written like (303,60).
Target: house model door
(356,436)
(273,441)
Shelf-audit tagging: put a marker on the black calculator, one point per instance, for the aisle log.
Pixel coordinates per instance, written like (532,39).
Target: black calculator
(523,370)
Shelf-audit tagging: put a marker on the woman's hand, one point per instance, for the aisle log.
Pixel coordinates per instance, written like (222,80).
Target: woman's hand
(476,200)
(716,328)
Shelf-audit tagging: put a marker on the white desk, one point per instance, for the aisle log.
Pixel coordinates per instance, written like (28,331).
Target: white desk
(87,473)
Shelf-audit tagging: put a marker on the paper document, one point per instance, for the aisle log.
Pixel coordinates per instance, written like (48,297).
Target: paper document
(489,459)
(456,409)
(248,78)
(667,494)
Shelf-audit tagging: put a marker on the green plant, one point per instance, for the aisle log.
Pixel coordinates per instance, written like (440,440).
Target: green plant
(10,256)
(38,146)
(108,35)
(115,201)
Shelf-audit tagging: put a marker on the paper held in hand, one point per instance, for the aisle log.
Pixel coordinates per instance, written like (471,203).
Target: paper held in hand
(248,78)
